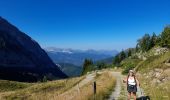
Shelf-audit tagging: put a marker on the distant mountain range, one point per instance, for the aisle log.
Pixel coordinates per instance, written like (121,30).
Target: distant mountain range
(21,57)
(77,57)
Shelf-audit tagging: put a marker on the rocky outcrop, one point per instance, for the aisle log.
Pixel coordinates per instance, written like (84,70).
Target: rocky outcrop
(153,52)
(21,57)
(159,50)
(158,76)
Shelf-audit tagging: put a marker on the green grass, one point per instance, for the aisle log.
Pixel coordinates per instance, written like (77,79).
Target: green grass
(12,85)
(129,64)
(154,62)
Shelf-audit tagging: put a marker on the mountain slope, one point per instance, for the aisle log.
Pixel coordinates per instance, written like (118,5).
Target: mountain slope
(21,58)
(70,69)
(155,72)
(107,60)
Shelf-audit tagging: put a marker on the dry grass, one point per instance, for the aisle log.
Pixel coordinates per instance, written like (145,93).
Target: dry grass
(156,91)
(50,90)
(105,84)
(41,91)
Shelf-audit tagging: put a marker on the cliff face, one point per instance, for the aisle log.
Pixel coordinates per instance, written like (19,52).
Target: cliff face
(21,58)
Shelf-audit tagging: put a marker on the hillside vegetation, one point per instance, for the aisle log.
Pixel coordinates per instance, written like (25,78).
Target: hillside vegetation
(105,84)
(154,74)
(151,61)
(11,90)
(70,69)
(58,89)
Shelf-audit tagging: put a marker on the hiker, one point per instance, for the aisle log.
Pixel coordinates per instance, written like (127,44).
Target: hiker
(132,83)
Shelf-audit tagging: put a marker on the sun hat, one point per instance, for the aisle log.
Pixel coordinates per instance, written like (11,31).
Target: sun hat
(131,71)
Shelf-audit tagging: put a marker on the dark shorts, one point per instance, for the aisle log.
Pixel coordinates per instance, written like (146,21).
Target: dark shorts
(132,88)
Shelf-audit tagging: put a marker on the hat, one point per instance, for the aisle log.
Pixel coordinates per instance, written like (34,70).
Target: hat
(131,71)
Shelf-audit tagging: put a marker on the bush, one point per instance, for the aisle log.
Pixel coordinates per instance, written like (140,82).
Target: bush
(129,64)
(89,69)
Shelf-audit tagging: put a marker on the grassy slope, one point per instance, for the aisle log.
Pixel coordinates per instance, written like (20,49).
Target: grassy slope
(155,91)
(12,86)
(35,91)
(105,84)
(154,62)
(11,90)
(70,69)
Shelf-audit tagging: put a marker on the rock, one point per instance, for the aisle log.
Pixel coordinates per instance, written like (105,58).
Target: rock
(168,78)
(160,50)
(151,73)
(167,72)
(167,64)
(167,61)
(157,74)
(164,80)
(147,76)
(144,58)
(158,70)
(158,81)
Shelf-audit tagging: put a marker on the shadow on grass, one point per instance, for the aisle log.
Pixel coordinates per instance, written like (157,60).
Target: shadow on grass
(143,98)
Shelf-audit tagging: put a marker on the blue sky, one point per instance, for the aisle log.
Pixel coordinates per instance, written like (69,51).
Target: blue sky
(87,24)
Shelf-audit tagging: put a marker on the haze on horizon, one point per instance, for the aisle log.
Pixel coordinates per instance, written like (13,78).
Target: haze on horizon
(87,24)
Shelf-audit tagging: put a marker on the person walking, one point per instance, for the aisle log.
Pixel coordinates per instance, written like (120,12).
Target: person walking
(132,84)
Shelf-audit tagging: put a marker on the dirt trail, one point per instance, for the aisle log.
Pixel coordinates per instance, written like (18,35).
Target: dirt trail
(120,90)
(116,93)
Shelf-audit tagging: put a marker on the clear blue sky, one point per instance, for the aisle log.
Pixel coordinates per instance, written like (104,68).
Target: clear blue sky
(87,24)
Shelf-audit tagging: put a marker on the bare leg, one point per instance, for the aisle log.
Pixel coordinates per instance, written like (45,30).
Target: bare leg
(134,95)
(129,95)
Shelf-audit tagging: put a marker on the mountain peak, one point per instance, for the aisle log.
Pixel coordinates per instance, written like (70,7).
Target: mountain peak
(6,26)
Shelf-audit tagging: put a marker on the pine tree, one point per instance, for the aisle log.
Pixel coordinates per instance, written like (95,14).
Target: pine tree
(129,52)
(158,42)
(116,60)
(137,47)
(144,43)
(153,40)
(101,65)
(87,63)
(165,37)
(122,55)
